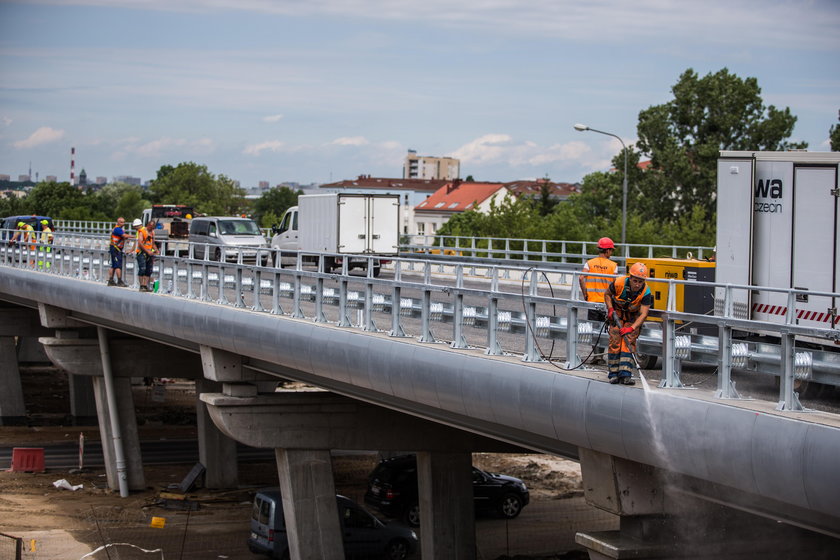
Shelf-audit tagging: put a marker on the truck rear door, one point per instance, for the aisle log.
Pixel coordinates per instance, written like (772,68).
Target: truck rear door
(814,242)
(734,231)
(385,226)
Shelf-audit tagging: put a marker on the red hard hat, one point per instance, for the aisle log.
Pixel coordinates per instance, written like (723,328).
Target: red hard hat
(639,270)
(606,243)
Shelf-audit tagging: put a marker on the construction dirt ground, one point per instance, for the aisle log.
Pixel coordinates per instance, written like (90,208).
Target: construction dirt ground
(95,522)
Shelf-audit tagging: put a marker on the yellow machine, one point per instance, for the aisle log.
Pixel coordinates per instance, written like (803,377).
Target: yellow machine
(688,298)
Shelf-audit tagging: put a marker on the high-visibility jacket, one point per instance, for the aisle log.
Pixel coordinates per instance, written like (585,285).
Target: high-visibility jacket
(118,241)
(626,303)
(145,240)
(46,235)
(27,234)
(596,286)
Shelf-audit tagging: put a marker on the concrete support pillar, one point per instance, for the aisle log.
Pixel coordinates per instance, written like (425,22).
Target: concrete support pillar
(447,515)
(309,504)
(216,451)
(12,408)
(30,351)
(661,519)
(82,399)
(128,427)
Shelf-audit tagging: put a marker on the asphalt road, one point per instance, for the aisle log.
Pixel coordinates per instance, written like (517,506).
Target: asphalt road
(161,452)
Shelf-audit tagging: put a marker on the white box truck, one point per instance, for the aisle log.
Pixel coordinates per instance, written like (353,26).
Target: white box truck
(342,224)
(778,225)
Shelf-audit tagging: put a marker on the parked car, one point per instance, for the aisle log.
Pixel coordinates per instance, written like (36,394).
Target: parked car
(221,238)
(364,535)
(392,489)
(11,223)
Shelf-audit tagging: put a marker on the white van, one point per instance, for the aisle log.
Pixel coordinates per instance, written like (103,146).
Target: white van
(223,238)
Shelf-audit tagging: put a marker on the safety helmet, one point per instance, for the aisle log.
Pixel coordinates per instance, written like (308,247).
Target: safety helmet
(137,223)
(188,216)
(45,222)
(639,270)
(606,243)
(21,224)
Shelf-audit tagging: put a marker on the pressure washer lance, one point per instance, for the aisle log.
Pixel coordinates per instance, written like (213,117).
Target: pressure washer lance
(617,323)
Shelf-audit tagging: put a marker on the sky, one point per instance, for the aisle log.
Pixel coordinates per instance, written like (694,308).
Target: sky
(315,91)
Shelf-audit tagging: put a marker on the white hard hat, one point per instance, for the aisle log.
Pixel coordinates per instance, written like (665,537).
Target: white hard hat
(136,223)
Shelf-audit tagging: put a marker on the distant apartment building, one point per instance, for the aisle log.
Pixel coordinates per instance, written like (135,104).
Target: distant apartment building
(51,179)
(426,167)
(263,185)
(23,178)
(453,198)
(127,179)
(101,180)
(5,177)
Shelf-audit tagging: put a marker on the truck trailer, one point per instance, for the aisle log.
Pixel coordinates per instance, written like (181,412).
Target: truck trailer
(350,227)
(777,226)
(173,226)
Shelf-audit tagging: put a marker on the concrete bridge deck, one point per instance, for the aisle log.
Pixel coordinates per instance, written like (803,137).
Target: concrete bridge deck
(644,451)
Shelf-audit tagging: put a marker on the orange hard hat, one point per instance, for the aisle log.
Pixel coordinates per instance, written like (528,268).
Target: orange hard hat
(639,270)
(606,243)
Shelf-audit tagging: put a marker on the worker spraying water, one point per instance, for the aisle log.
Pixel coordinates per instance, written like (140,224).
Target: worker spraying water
(628,301)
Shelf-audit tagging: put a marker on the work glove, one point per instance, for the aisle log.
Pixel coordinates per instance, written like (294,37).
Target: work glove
(611,315)
(625,331)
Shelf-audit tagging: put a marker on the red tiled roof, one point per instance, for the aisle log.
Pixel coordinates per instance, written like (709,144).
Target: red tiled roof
(368,182)
(534,188)
(458,196)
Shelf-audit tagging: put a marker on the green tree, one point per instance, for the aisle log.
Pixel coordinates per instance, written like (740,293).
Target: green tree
(834,136)
(192,184)
(270,206)
(60,200)
(684,136)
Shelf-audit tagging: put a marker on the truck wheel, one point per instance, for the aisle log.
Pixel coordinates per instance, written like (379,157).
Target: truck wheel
(646,361)
(377,270)
(217,254)
(329,264)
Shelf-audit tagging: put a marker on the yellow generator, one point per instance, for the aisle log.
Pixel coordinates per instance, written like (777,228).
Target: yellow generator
(688,298)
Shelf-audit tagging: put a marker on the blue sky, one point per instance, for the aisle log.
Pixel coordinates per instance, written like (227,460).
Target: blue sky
(323,90)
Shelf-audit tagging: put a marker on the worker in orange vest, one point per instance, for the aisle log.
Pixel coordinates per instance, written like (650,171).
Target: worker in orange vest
(593,288)
(628,302)
(145,252)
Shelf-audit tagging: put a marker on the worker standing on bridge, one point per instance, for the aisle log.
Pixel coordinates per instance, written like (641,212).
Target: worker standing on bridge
(46,242)
(145,252)
(628,302)
(25,234)
(117,251)
(593,288)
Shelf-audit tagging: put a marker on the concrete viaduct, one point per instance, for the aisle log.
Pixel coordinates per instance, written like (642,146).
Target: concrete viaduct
(662,460)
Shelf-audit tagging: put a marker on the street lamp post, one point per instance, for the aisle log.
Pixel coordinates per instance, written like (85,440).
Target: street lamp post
(582,128)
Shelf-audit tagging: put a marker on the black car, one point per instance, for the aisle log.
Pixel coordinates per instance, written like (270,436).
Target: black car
(392,489)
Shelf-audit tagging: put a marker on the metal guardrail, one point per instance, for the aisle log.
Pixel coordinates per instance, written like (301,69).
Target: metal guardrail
(541,250)
(447,293)
(493,248)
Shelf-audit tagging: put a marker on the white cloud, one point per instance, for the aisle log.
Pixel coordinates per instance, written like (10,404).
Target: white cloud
(43,135)
(272,118)
(271,146)
(721,21)
(163,148)
(350,141)
(503,149)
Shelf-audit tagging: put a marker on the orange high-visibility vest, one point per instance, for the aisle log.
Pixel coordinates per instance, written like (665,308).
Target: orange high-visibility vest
(627,307)
(596,287)
(144,240)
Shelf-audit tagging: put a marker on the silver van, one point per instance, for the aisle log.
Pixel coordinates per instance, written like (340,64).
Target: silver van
(223,238)
(364,535)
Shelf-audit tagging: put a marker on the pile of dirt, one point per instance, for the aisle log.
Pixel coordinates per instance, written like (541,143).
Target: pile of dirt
(32,506)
